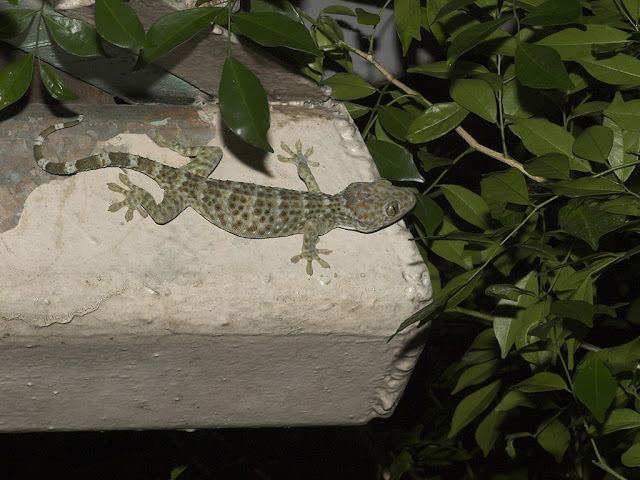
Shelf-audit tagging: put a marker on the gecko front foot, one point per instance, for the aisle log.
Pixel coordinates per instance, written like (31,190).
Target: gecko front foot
(132,198)
(310,257)
(302,163)
(298,157)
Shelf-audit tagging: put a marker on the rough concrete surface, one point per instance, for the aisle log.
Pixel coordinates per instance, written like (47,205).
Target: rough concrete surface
(108,324)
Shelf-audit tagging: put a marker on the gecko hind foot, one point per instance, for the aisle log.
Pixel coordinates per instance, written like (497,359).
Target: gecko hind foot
(311,257)
(132,198)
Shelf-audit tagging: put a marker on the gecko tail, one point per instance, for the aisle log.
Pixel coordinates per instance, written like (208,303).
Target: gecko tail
(59,168)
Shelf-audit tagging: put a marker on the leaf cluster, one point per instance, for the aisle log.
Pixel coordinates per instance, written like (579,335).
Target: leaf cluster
(539,257)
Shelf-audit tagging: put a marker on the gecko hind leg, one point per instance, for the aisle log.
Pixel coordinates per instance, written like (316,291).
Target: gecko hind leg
(205,159)
(138,199)
(309,250)
(302,162)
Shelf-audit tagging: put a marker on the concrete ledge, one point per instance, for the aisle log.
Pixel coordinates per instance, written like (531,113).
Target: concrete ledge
(115,325)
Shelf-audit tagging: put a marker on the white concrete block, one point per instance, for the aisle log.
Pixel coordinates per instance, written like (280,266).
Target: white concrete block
(108,324)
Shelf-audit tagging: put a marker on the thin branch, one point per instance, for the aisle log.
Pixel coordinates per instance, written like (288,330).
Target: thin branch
(466,136)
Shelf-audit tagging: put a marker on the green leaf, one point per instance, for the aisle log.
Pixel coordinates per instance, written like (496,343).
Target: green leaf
(449,7)
(485,340)
(538,66)
(443,70)
(513,399)
(471,37)
(626,353)
(594,143)
(589,108)
(524,102)
(366,18)
(74,36)
(428,213)
(595,387)
(625,114)
(620,69)
(393,161)
(118,23)
(588,223)
(573,43)
(541,136)
(507,326)
(272,29)
(429,161)
(348,86)
(468,205)
(472,406)
(538,249)
(633,7)
(623,143)
(488,430)
(476,374)
(449,296)
(631,458)
(507,186)
(407,17)
(620,419)
(451,250)
(355,110)
(476,96)
(554,12)
(395,121)
(551,165)
(243,104)
(177,471)
(14,22)
(339,10)
(542,382)
(576,309)
(586,186)
(554,437)
(436,121)
(15,79)
(55,85)
(510,292)
(176,28)
(625,205)
(460,287)
(492,79)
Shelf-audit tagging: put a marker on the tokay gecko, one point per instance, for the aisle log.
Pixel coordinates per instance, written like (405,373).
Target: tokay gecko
(244,209)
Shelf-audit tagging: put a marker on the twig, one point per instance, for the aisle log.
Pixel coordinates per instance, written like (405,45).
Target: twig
(466,136)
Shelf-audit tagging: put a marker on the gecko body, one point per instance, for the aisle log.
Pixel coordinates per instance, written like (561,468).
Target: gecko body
(244,209)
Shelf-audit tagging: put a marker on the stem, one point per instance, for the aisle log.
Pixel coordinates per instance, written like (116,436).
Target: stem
(374,116)
(472,142)
(35,50)
(229,9)
(445,171)
(501,123)
(487,319)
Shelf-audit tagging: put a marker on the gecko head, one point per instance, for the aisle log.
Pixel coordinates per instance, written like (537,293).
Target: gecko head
(375,205)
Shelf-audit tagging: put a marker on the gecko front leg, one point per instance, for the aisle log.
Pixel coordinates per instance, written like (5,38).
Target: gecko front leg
(309,250)
(302,162)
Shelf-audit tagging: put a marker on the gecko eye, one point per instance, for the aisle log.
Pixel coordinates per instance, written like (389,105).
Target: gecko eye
(392,209)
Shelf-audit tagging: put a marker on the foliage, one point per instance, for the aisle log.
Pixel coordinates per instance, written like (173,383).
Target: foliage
(538,258)
(534,259)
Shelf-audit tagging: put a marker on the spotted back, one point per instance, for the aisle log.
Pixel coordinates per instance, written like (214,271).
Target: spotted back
(367,207)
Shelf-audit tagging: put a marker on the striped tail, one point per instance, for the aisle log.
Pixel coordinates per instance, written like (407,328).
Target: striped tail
(92,162)
(66,168)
